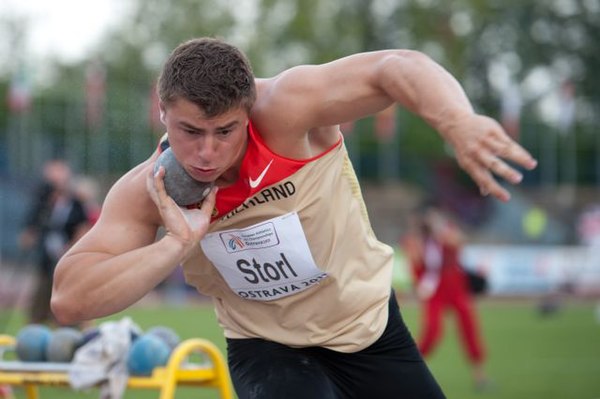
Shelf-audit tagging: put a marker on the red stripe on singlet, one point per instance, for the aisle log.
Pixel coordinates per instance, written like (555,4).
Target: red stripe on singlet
(257,158)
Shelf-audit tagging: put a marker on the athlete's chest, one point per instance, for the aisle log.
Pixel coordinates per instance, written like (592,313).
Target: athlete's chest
(260,169)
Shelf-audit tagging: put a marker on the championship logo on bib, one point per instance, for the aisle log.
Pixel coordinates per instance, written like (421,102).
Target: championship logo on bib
(266,261)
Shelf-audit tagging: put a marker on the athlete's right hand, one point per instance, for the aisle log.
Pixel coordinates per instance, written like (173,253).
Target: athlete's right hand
(188,226)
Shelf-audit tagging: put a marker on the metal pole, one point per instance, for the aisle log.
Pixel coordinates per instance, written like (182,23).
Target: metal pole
(548,160)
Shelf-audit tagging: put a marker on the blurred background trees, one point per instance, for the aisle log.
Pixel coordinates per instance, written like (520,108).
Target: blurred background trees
(528,63)
(492,47)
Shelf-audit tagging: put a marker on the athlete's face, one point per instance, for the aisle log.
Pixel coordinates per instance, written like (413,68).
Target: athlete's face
(205,147)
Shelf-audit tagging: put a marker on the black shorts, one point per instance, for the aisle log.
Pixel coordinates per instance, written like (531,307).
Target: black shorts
(392,367)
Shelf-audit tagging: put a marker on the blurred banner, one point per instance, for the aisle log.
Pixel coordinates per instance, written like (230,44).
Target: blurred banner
(511,106)
(533,270)
(385,123)
(19,92)
(95,94)
(154,110)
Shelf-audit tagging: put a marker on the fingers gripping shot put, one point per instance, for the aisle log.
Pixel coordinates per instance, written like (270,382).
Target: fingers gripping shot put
(183,188)
(282,243)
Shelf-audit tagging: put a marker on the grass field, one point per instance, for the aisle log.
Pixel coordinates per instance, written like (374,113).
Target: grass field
(529,356)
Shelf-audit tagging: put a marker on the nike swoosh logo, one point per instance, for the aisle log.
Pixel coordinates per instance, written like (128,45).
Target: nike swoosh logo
(255,182)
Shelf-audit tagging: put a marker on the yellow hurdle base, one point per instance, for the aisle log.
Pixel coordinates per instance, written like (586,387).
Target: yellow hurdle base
(210,374)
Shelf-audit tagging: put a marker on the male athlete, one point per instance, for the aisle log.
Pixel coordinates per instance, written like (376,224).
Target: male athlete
(283,245)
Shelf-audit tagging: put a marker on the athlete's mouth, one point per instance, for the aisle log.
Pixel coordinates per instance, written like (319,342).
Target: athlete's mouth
(203,174)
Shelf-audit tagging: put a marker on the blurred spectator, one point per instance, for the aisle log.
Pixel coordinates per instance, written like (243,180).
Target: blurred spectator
(535,223)
(56,219)
(433,244)
(6,392)
(588,226)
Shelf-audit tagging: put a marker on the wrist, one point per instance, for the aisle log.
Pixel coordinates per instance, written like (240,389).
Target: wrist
(177,246)
(450,120)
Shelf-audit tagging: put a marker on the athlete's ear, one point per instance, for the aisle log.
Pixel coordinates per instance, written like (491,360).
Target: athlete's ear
(162,110)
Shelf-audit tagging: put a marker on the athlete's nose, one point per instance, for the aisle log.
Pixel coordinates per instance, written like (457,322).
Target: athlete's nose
(207,148)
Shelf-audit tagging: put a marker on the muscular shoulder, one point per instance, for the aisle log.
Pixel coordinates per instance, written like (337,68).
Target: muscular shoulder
(285,120)
(283,103)
(129,200)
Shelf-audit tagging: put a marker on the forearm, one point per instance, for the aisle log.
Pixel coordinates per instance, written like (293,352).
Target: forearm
(425,88)
(482,147)
(88,286)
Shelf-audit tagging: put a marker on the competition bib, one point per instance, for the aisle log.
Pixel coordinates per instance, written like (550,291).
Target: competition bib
(266,261)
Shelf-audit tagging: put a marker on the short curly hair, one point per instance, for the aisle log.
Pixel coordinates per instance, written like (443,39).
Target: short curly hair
(210,73)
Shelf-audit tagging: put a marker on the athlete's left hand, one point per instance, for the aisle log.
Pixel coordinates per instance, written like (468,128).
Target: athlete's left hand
(483,149)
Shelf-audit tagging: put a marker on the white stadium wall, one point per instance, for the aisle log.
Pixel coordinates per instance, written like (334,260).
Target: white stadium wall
(533,270)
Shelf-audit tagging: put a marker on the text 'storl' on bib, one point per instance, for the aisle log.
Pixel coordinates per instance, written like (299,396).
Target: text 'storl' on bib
(266,261)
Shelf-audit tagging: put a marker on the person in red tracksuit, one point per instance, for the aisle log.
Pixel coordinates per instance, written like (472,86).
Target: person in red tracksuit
(433,246)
